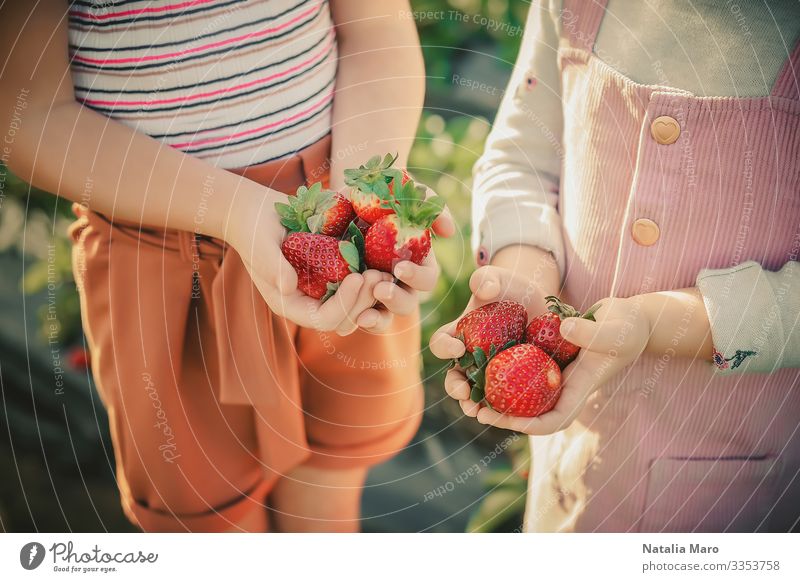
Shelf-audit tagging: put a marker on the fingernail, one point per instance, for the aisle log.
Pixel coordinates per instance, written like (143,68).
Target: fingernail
(488,287)
(369,320)
(401,271)
(567,326)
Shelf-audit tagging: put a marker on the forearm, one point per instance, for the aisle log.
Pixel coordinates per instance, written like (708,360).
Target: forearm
(380,84)
(678,323)
(110,168)
(532,263)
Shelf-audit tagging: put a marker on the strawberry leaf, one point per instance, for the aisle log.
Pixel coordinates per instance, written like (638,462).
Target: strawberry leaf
(591,311)
(480,357)
(332,288)
(476,394)
(381,188)
(315,223)
(466,360)
(350,254)
(355,236)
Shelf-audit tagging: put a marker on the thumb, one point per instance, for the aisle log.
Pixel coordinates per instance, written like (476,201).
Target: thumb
(285,276)
(597,337)
(486,283)
(491,283)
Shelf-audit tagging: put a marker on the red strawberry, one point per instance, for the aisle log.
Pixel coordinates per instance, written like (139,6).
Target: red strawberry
(321,262)
(522,381)
(544,331)
(486,331)
(404,235)
(374,183)
(79,358)
(492,326)
(316,210)
(387,242)
(362,226)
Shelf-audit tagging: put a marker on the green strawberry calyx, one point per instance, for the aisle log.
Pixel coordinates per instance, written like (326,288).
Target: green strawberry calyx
(305,211)
(474,365)
(352,250)
(412,206)
(564,310)
(410,201)
(375,175)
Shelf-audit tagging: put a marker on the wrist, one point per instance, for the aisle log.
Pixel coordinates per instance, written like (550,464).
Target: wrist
(533,263)
(250,205)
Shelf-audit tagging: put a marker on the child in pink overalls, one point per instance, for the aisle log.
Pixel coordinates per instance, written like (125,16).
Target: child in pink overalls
(635,164)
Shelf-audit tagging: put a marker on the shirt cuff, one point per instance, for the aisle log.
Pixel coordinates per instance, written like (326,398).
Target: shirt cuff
(745,317)
(514,222)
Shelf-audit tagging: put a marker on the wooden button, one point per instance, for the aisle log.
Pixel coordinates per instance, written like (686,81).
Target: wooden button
(665,130)
(645,232)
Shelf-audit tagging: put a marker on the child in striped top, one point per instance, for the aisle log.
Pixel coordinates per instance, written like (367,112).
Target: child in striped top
(235,402)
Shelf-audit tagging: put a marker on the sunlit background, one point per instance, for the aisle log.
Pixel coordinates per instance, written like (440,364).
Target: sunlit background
(56,460)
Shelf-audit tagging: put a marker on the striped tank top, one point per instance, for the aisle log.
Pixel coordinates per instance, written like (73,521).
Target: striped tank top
(235,82)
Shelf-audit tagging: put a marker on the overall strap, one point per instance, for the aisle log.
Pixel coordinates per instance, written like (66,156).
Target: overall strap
(788,82)
(580,21)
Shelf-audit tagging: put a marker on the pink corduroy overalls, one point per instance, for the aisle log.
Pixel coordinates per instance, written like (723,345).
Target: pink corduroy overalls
(669,445)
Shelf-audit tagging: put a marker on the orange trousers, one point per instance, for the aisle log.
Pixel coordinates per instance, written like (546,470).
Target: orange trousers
(210,396)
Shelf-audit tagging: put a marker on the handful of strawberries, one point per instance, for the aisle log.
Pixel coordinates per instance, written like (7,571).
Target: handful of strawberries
(515,366)
(387,219)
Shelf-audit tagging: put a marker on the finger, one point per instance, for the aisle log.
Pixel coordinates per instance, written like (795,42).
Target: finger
(375,320)
(456,385)
(491,283)
(597,337)
(285,279)
(419,277)
(398,300)
(364,301)
(533,426)
(444,225)
(444,346)
(470,408)
(335,310)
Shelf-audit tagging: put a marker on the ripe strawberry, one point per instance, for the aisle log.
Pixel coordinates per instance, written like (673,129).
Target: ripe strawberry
(79,358)
(544,331)
(373,184)
(316,210)
(321,262)
(492,326)
(404,235)
(486,331)
(522,381)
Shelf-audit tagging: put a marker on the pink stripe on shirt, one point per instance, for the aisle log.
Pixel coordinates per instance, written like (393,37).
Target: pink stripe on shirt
(217,44)
(149,10)
(308,62)
(318,105)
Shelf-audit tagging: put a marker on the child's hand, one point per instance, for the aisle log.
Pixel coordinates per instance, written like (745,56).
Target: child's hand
(401,297)
(488,284)
(256,233)
(616,340)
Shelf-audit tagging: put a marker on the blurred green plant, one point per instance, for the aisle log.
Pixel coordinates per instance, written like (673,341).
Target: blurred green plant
(450,30)
(503,506)
(34,223)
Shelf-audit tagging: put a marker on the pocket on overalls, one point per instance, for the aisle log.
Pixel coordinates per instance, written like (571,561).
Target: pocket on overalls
(727,494)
